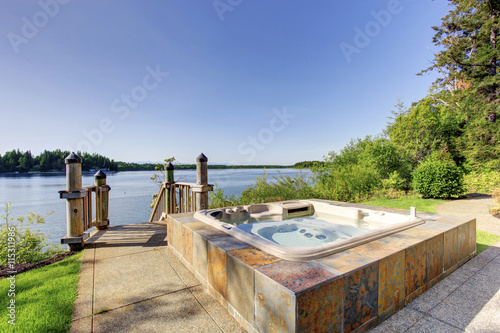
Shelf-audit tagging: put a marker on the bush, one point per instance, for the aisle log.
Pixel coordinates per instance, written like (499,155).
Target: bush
(27,246)
(351,183)
(282,188)
(482,182)
(438,178)
(217,199)
(496,194)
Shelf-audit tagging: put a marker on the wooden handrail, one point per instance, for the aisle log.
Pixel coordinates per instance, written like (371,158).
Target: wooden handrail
(183,196)
(159,199)
(80,204)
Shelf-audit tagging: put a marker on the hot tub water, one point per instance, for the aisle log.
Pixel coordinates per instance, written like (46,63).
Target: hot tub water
(306,232)
(305,229)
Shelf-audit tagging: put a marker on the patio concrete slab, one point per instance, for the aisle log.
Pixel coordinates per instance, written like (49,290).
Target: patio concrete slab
(175,312)
(184,274)
(84,301)
(225,321)
(81,325)
(131,282)
(432,325)
(147,273)
(400,322)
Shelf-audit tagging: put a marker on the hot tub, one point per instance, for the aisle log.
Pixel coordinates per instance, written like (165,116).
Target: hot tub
(306,229)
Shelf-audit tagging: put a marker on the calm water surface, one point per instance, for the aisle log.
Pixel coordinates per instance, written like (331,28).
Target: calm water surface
(130,196)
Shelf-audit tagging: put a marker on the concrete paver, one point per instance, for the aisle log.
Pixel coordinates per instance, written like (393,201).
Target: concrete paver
(176,312)
(129,279)
(130,282)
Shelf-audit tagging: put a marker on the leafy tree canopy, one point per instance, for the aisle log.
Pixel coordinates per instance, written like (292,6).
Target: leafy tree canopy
(427,126)
(18,161)
(468,61)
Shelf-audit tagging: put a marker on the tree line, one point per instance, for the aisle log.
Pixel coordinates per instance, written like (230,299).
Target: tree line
(125,166)
(19,161)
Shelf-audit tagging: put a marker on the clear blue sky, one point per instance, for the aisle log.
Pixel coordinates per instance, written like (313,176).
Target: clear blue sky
(245,82)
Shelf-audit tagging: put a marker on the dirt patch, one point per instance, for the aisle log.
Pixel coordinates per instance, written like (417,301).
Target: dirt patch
(6,271)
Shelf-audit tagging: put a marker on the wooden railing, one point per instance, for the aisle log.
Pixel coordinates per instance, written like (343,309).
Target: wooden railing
(101,215)
(179,197)
(157,213)
(80,203)
(87,208)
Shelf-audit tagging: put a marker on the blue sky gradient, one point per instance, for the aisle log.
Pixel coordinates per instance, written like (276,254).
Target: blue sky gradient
(245,82)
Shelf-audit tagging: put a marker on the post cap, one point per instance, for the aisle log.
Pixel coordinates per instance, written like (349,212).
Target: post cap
(169,166)
(100,175)
(72,158)
(202,158)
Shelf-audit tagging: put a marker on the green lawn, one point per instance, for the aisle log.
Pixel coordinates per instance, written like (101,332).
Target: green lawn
(423,205)
(483,239)
(44,298)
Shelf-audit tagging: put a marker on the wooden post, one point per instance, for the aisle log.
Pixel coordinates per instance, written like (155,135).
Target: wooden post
(169,190)
(101,201)
(202,179)
(74,203)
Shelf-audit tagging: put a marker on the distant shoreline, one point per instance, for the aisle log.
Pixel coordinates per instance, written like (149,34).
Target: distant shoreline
(177,167)
(17,162)
(213,167)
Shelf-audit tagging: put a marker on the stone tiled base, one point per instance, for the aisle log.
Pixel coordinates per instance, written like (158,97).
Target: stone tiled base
(350,291)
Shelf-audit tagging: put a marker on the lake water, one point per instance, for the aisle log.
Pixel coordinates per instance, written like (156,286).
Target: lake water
(131,193)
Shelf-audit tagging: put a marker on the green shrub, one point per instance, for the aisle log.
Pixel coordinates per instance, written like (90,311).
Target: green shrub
(22,245)
(351,182)
(438,178)
(394,187)
(496,194)
(217,199)
(482,182)
(394,182)
(282,188)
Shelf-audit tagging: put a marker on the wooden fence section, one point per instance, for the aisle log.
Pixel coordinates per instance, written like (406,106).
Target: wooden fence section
(179,197)
(87,208)
(80,203)
(157,213)
(101,213)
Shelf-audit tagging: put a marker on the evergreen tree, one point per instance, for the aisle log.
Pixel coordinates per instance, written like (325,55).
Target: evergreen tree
(469,39)
(25,162)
